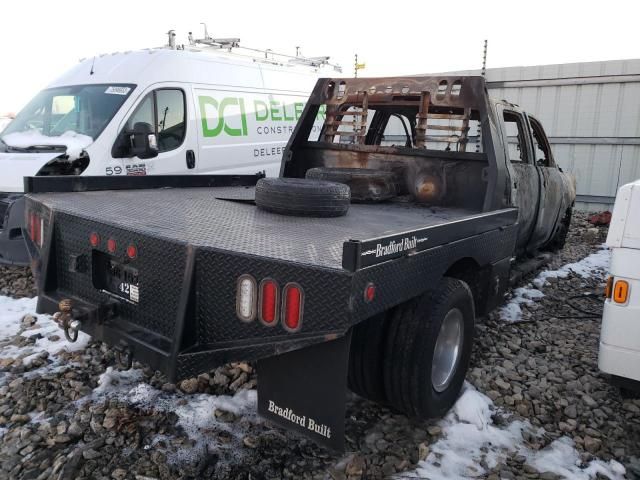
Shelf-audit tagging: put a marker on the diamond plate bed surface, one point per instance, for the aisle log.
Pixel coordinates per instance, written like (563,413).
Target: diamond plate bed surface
(207,217)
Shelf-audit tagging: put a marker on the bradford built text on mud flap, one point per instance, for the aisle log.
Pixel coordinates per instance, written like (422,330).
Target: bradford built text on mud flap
(303,421)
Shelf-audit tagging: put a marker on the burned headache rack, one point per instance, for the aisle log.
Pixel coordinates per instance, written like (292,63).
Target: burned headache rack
(434,98)
(358,254)
(359,110)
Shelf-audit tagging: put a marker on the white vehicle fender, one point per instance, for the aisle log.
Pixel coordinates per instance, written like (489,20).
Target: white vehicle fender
(16,166)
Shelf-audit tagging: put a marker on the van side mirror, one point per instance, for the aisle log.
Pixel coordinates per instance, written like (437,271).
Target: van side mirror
(144,143)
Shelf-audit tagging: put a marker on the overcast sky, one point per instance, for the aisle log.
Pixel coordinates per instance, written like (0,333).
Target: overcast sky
(41,39)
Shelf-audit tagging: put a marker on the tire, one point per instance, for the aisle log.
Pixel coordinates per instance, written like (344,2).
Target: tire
(366,358)
(560,238)
(366,185)
(412,385)
(301,197)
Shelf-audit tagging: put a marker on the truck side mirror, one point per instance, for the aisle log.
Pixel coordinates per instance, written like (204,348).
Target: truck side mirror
(144,143)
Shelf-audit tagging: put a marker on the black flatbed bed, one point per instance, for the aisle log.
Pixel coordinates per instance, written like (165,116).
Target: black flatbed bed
(225,218)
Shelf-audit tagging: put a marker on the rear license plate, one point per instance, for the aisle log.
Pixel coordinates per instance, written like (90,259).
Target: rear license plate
(115,278)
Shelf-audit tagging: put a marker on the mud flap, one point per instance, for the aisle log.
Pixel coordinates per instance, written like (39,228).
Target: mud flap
(305,390)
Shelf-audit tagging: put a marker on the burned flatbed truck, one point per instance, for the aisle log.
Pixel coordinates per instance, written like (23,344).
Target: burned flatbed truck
(390,230)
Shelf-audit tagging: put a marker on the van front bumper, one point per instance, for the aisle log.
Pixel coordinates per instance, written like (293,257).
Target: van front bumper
(13,249)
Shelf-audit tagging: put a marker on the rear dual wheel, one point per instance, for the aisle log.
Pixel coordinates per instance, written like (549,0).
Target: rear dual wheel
(365,361)
(422,360)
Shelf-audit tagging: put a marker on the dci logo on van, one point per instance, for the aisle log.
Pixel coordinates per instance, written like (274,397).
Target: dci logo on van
(234,116)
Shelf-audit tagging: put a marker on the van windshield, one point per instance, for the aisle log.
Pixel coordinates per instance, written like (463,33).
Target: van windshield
(78,110)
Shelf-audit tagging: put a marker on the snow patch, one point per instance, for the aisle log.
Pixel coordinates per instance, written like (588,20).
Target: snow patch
(594,265)
(561,458)
(590,266)
(196,413)
(473,408)
(512,311)
(471,440)
(73,141)
(117,383)
(11,312)
(468,438)
(49,337)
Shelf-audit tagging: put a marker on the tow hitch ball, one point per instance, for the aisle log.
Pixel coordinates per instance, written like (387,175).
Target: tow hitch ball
(65,320)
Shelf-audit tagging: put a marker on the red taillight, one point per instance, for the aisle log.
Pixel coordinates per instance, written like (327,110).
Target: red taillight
(132,252)
(36,228)
(111,245)
(370,293)
(293,304)
(269,302)
(94,239)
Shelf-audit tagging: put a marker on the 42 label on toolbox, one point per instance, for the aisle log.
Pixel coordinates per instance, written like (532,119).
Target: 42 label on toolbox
(129,291)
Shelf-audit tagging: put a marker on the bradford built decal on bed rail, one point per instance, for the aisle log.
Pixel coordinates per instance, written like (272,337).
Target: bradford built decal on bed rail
(403,245)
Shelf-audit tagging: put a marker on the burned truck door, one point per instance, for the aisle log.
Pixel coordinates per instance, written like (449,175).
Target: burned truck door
(552,185)
(524,177)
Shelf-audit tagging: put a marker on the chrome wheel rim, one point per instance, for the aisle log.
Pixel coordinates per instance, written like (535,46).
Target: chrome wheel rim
(448,349)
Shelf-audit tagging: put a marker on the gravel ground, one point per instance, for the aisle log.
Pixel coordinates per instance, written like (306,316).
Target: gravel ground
(546,368)
(63,417)
(17,282)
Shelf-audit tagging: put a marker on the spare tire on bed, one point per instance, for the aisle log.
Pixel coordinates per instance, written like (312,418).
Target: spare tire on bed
(303,197)
(367,185)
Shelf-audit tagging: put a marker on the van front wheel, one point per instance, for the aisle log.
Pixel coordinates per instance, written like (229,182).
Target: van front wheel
(428,350)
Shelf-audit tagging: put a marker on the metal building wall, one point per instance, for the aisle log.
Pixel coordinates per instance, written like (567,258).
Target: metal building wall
(591,113)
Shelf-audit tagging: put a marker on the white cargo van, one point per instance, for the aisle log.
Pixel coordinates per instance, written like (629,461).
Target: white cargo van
(620,334)
(204,108)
